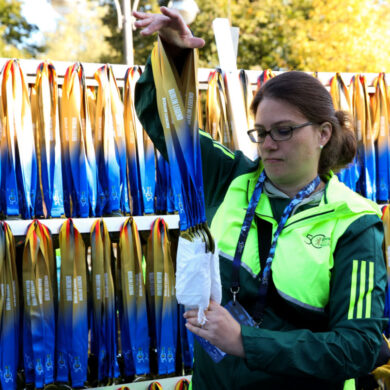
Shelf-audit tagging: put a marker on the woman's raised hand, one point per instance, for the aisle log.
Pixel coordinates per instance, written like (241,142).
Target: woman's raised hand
(170,26)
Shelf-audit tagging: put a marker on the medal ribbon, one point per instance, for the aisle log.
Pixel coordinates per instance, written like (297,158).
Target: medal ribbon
(264,77)
(39,310)
(78,150)
(366,150)
(104,340)
(266,272)
(144,146)
(380,131)
(177,103)
(186,341)
(217,121)
(5,162)
(132,131)
(110,143)
(247,96)
(44,99)
(133,313)
(162,175)
(72,327)
(341,101)
(161,295)
(21,171)
(9,310)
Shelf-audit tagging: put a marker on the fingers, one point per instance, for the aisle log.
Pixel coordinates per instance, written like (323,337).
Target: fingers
(171,13)
(191,314)
(140,15)
(213,304)
(196,43)
(200,331)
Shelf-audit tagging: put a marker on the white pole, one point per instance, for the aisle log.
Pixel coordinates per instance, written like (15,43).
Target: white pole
(127,33)
(227,54)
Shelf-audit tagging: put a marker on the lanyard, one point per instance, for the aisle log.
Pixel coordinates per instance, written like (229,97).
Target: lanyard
(264,281)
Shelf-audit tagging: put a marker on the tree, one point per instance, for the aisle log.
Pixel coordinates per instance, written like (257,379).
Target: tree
(312,35)
(15,30)
(142,45)
(345,37)
(80,35)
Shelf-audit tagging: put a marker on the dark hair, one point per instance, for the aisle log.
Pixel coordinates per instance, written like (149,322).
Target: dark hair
(311,98)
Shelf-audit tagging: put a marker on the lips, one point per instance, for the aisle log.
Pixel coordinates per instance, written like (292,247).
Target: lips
(272,159)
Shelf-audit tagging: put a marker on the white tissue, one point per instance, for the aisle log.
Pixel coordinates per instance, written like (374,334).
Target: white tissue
(197,276)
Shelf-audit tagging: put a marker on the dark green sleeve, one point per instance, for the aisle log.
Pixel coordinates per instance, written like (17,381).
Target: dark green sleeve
(220,165)
(350,348)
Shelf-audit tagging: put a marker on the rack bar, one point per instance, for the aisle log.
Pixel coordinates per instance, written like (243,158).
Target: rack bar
(83,225)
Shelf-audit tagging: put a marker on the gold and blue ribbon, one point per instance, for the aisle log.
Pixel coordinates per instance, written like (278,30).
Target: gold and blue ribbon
(38,269)
(366,158)
(160,285)
(132,298)
(72,325)
(45,109)
(19,162)
(247,95)
(177,107)
(144,145)
(103,332)
(79,170)
(133,133)
(342,101)
(9,310)
(380,135)
(217,121)
(110,144)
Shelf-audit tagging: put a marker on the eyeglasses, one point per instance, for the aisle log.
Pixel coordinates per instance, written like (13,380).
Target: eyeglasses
(283,133)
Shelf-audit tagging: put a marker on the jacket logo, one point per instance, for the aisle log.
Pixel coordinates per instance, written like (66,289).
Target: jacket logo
(318,241)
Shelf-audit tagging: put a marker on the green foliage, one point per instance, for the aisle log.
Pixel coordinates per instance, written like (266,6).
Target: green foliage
(15,30)
(311,35)
(79,35)
(142,45)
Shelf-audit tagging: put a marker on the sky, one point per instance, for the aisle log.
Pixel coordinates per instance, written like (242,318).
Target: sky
(41,13)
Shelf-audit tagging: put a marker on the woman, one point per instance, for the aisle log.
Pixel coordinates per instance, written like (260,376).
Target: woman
(312,273)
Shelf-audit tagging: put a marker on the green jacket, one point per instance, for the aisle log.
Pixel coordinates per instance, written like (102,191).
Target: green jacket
(296,347)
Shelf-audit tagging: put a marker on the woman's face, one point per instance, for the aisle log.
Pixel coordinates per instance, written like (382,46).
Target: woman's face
(293,163)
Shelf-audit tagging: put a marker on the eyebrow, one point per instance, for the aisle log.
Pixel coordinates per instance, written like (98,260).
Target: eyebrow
(282,122)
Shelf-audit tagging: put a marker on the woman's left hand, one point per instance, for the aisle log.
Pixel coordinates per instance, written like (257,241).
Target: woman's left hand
(221,329)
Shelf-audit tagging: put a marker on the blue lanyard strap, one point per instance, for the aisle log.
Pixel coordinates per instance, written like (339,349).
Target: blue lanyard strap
(264,281)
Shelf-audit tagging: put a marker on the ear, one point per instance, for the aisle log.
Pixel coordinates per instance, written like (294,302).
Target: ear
(325,133)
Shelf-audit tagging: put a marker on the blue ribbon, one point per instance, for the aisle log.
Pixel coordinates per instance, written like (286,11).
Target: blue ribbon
(382,164)
(367,180)
(148,171)
(186,341)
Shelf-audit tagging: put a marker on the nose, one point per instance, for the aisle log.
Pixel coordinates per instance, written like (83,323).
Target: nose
(269,143)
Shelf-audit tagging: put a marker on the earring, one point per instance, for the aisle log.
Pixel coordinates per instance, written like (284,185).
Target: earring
(321,146)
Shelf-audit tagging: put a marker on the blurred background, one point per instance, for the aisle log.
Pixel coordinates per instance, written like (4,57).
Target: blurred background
(311,35)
